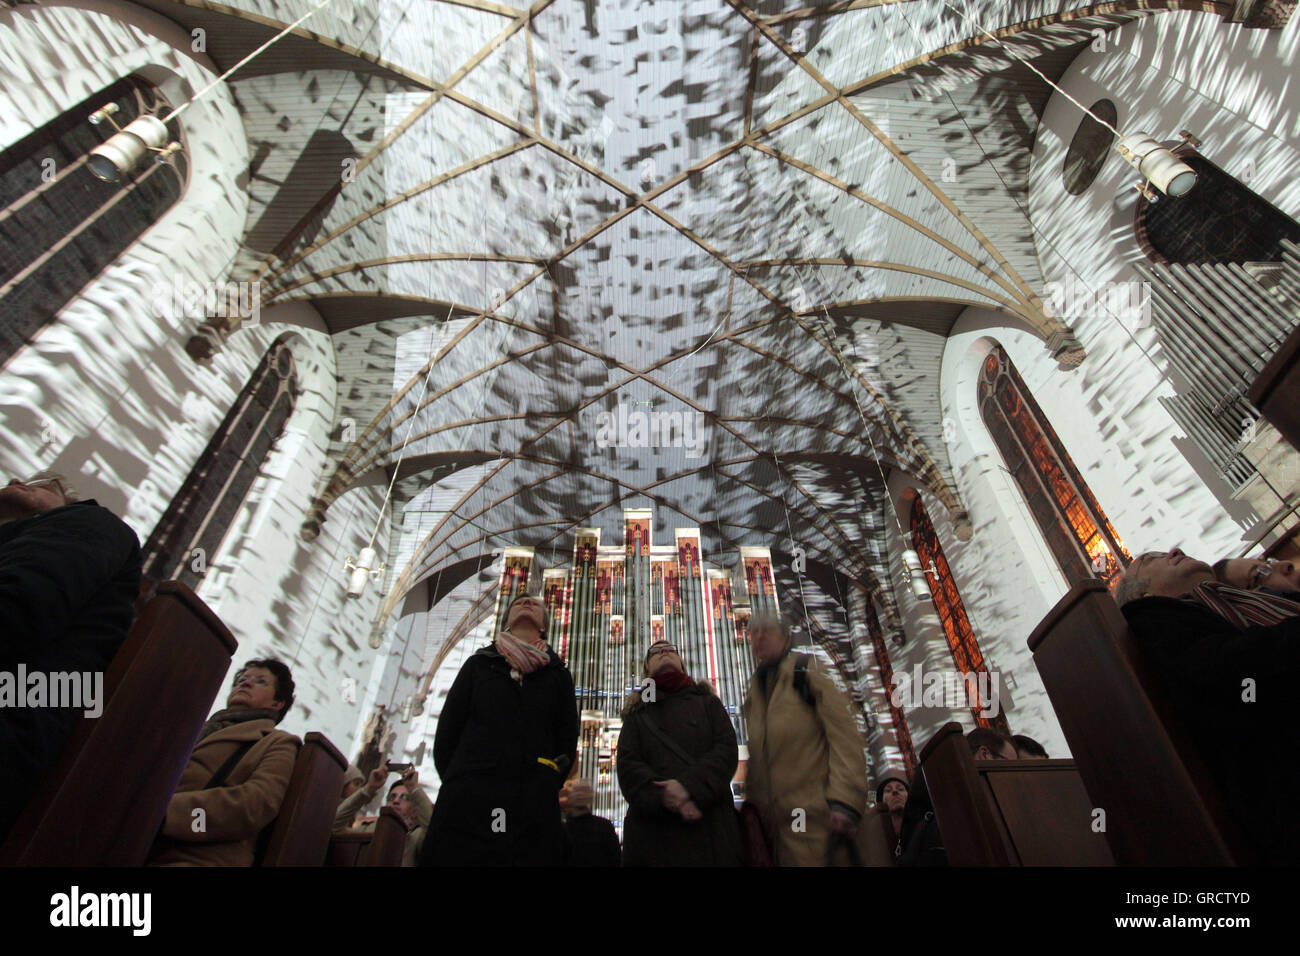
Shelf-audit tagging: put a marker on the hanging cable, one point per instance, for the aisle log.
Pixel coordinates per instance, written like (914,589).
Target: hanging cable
(917,574)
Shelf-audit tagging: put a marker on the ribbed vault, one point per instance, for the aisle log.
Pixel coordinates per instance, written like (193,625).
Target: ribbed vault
(731,215)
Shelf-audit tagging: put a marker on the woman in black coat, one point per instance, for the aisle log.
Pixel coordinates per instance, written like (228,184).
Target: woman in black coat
(505,741)
(676,757)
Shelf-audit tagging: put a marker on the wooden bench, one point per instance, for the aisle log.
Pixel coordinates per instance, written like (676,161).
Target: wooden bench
(104,800)
(1009,812)
(300,835)
(1162,807)
(382,846)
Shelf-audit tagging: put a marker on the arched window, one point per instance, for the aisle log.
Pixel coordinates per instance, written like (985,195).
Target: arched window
(59,225)
(1219,221)
(191,531)
(1076,529)
(1089,148)
(952,613)
(901,729)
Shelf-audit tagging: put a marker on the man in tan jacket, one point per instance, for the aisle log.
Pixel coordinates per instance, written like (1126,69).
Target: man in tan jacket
(807,774)
(232,788)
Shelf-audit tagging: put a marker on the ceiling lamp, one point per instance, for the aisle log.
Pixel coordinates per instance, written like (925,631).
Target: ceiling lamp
(122,152)
(1158,164)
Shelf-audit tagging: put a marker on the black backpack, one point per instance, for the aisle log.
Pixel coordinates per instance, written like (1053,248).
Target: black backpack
(801,685)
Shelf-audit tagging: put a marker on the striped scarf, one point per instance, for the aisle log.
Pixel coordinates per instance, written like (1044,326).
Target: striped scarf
(524,657)
(1243,609)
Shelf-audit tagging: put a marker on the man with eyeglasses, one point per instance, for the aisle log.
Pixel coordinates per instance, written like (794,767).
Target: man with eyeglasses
(69,578)
(406,797)
(1226,659)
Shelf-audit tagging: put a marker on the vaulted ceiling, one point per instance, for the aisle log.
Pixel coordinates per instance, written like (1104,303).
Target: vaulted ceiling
(759,217)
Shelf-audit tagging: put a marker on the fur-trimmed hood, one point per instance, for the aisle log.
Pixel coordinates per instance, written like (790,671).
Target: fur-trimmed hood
(634,701)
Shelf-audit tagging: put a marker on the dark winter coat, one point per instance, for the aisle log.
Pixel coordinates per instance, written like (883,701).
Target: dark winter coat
(498,805)
(69,579)
(695,720)
(920,843)
(1200,661)
(592,841)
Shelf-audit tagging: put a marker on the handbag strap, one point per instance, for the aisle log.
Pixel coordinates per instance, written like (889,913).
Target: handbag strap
(219,778)
(667,741)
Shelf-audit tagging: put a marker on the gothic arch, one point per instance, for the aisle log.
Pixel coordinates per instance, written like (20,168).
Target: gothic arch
(195,524)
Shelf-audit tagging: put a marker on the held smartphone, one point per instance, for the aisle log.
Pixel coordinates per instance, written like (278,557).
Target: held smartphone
(401,767)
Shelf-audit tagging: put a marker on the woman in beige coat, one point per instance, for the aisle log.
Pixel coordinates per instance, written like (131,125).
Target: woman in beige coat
(237,776)
(807,774)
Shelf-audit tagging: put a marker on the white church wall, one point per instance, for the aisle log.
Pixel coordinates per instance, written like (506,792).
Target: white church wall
(1168,72)
(1001,627)
(106,393)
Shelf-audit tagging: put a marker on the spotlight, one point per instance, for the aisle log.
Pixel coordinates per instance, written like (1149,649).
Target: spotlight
(362,570)
(916,576)
(104,113)
(1161,168)
(121,152)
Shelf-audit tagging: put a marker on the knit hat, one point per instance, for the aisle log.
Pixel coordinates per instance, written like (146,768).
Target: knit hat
(880,788)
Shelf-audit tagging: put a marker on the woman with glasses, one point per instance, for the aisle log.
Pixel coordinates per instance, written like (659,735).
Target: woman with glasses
(506,738)
(236,779)
(676,756)
(1256,574)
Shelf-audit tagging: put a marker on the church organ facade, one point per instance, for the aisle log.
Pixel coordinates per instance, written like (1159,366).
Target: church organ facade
(614,600)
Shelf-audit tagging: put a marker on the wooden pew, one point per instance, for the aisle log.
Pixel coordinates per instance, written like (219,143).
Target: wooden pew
(103,802)
(1162,808)
(389,840)
(300,835)
(381,846)
(347,849)
(1009,812)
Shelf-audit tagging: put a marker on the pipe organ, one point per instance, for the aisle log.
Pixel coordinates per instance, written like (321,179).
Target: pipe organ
(613,601)
(1218,325)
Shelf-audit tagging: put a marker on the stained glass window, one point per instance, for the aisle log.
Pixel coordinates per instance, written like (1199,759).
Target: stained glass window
(901,730)
(1076,529)
(948,605)
(59,225)
(191,530)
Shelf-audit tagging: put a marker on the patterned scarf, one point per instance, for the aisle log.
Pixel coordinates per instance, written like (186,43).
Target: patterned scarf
(1243,609)
(524,656)
(234,715)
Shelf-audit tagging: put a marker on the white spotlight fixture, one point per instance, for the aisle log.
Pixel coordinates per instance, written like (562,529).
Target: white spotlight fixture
(916,576)
(363,569)
(122,152)
(119,154)
(1157,164)
(1161,168)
